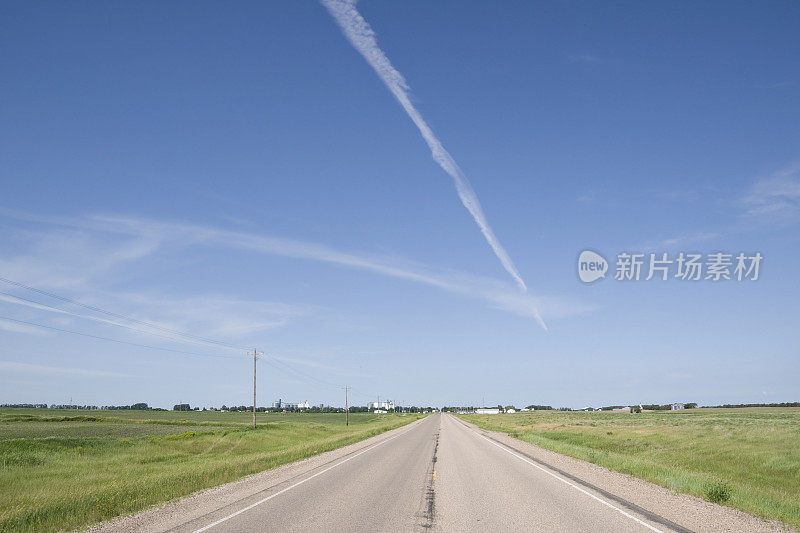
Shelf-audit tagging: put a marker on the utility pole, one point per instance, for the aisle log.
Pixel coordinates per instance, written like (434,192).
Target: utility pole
(346,408)
(255,355)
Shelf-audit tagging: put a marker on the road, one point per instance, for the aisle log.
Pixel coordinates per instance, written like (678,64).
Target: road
(440,474)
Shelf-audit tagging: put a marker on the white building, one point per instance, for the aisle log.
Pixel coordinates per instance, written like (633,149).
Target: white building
(677,407)
(487,411)
(622,409)
(304,405)
(388,404)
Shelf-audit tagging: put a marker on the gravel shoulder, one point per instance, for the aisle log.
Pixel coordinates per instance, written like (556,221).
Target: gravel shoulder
(175,514)
(690,512)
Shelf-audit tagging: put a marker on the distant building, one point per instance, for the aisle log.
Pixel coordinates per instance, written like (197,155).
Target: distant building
(622,409)
(677,407)
(280,404)
(511,410)
(380,411)
(487,411)
(304,405)
(388,404)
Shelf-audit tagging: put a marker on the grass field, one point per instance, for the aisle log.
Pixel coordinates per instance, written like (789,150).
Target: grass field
(746,458)
(69,469)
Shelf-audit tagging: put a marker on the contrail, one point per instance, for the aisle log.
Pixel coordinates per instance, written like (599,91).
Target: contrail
(363,39)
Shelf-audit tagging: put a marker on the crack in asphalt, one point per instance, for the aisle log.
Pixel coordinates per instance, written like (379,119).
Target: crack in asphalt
(429,513)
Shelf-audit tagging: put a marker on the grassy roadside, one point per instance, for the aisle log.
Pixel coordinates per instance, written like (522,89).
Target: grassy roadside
(68,470)
(745,458)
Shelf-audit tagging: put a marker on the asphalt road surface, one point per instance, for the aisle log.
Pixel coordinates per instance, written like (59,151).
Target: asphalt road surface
(441,474)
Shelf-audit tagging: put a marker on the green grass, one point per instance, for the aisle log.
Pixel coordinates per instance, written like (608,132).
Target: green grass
(745,458)
(70,469)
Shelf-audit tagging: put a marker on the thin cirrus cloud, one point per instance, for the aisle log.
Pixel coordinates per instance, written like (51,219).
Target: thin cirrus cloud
(27,368)
(14,327)
(363,39)
(775,197)
(497,293)
(217,316)
(97,234)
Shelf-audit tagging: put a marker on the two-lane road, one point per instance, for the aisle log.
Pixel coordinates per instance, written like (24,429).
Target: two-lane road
(440,474)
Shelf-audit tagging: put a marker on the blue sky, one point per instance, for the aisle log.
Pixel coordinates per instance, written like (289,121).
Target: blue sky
(239,172)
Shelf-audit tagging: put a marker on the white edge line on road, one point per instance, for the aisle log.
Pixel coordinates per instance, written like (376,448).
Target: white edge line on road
(240,511)
(601,500)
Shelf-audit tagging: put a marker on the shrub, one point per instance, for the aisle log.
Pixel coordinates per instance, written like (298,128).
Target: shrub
(717,492)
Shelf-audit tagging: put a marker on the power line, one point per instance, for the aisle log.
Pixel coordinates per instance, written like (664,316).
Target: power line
(188,337)
(115,340)
(102,320)
(269,361)
(305,374)
(118,315)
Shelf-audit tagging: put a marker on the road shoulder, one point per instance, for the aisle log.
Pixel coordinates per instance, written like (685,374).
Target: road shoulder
(688,511)
(171,515)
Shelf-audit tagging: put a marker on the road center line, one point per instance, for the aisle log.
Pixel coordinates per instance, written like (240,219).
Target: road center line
(240,511)
(561,479)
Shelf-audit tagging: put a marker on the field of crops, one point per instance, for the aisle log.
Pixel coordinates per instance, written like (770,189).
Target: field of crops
(68,469)
(746,458)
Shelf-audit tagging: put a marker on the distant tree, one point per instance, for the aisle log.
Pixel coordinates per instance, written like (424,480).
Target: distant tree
(691,405)
(738,405)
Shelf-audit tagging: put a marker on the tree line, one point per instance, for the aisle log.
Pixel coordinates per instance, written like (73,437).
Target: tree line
(738,405)
(134,407)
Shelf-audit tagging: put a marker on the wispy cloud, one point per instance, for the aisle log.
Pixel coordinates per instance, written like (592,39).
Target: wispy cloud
(687,239)
(221,316)
(27,368)
(585,57)
(214,316)
(339,371)
(498,293)
(13,327)
(363,39)
(776,197)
